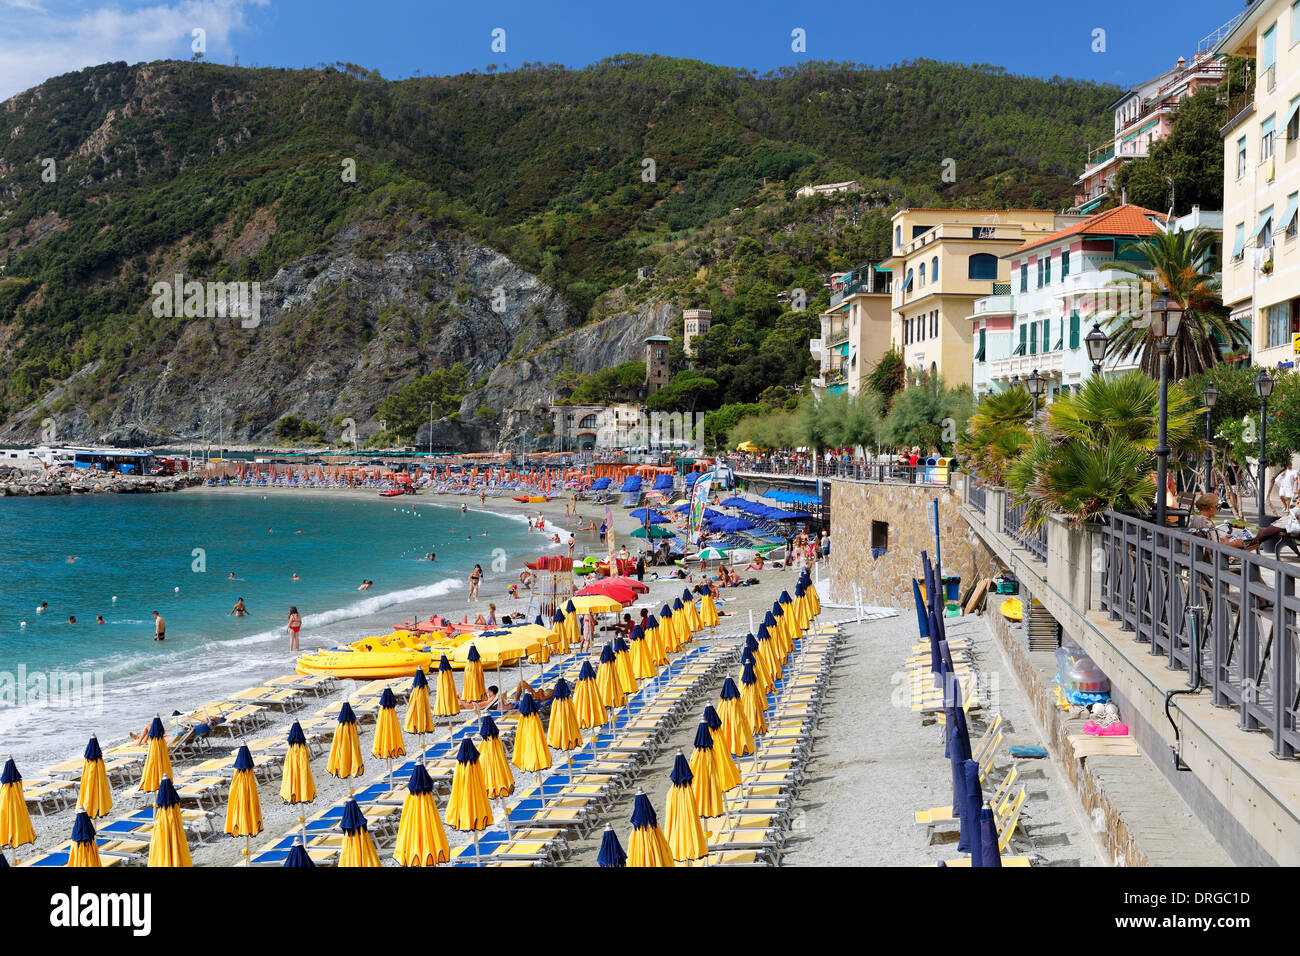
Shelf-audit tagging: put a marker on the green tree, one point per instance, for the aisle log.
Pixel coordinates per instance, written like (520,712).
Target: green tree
(408,408)
(929,415)
(1191,156)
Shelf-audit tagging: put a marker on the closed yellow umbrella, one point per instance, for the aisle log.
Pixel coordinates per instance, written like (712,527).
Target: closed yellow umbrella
(388,733)
(709,611)
(475,688)
(607,682)
(682,828)
(692,612)
(753,700)
(421,839)
(758,653)
(560,628)
(682,622)
(345,748)
(167,843)
(642,667)
(297,784)
(95,796)
(623,667)
(244,809)
(736,728)
(445,702)
(572,631)
(563,732)
(728,773)
(419,713)
(157,762)
(530,753)
(706,787)
(468,808)
(498,778)
(655,643)
(587,700)
(668,632)
(647,846)
(85,850)
(358,847)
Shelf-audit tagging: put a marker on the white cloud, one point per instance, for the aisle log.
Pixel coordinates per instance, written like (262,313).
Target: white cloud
(36,44)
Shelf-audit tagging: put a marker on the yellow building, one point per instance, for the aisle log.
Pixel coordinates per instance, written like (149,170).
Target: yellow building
(855,330)
(1261,190)
(943,260)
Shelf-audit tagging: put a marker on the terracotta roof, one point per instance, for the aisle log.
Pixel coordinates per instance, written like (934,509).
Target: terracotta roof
(1126,220)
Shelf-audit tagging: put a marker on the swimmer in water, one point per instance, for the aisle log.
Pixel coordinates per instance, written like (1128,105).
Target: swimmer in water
(230,576)
(239,610)
(72,619)
(43,605)
(100,619)
(71,558)
(295,576)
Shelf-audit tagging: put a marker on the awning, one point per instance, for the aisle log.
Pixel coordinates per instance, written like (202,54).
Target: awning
(1292,205)
(979,356)
(853,354)
(1239,245)
(1240,315)
(1265,220)
(908,284)
(1292,113)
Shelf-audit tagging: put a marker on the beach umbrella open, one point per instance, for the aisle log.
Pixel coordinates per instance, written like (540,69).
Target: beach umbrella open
(753,700)
(388,733)
(358,847)
(157,762)
(623,666)
(632,584)
(587,700)
(446,704)
(297,785)
(728,773)
(474,687)
(709,611)
(15,821)
(244,809)
(298,857)
(596,603)
(85,851)
(468,807)
(95,795)
(421,840)
(647,846)
(736,728)
(419,713)
(563,732)
(615,592)
(652,532)
(683,829)
(611,851)
(345,748)
(167,844)
(498,778)
(648,516)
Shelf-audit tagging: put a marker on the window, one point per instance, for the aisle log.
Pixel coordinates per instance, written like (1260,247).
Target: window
(879,537)
(1239,243)
(1289,217)
(1293,117)
(1074,323)
(898,237)
(934,323)
(1277,319)
(1047,269)
(1241,157)
(934,269)
(1295,22)
(1024,277)
(920,230)
(1264,231)
(1266,137)
(588,422)
(983,267)
(1065,253)
(907,286)
(921,276)
(1268,50)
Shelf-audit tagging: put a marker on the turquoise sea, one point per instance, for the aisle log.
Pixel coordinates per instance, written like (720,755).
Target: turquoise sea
(174,553)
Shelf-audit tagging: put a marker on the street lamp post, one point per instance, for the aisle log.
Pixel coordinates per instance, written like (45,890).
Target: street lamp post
(1263,388)
(1166,315)
(430,429)
(1037,385)
(1209,397)
(1097,343)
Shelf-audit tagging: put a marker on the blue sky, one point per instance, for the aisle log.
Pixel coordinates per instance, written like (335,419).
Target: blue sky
(42,38)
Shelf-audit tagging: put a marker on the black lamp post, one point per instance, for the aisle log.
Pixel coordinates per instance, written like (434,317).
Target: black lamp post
(1166,315)
(1209,397)
(1263,388)
(1097,343)
(1037,384)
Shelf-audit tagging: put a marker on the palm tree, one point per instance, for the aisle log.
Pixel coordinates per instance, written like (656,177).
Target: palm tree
(1175,265)
(997,432)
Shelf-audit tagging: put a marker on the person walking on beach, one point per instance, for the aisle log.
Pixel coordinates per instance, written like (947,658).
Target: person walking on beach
(571,544)
(159,627)
(295,625)
(1285,485)
(475,577)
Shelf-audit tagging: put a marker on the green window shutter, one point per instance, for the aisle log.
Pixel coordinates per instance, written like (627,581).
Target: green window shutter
(1074,329)
(1047,336)
(1033,338)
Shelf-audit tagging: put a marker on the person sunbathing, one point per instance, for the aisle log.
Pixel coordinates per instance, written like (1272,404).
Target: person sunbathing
(539,696)
(756,564)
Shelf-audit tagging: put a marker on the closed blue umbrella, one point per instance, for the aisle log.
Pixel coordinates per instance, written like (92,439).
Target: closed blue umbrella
(611,851)
(298,857)
(970,810)
(988,854)
(956,764)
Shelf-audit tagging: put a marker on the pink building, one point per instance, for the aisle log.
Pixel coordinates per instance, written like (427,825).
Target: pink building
(1142,116)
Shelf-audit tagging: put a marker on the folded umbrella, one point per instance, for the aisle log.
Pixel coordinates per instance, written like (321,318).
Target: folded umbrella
(243,808)
(419,714)
(611,851)
(530,752)
(167,844)
(647,846)
(421,840)
(683,829)
(706,786)
(95,795)
(475,688)
(157,762)
(654,642)
(727,772)
(709,611)
(563,732)
(358,847)
(468,808)
(297,785)
(587,701)
(607,682)
(623,666)
(15,821)
(84,851)
(642,666)
(345,748)
(498,778)
(989,854)
(736,728)
(388,733)
(753,700)
(298,857)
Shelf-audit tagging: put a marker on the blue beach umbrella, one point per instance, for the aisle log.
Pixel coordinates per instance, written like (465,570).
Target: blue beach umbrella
(956,763)
(298,856)
(988,854)
(969,841)
(611,851)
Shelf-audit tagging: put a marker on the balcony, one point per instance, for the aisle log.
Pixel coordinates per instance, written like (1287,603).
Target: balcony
(837,338)
(1238,109)
(1023,365)
(995,304)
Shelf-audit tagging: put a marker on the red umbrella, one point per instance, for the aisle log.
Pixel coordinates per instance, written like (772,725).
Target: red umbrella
(612,591)
(627,583)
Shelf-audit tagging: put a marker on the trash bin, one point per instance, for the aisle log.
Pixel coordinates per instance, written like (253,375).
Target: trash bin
(952,586)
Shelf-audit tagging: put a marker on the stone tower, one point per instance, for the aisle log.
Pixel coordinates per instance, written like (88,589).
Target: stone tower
(694,322)
(656,363)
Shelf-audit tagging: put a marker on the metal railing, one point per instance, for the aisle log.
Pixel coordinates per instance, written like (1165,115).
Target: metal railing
(873,472)
(1013,524)
(976,496)
(1151,579)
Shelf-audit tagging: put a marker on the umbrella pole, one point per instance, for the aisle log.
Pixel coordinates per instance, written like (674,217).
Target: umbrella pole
(246,856)
(477,860)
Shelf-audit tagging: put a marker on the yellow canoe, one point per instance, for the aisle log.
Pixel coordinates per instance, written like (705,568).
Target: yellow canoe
(367,664)
(1012,609)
